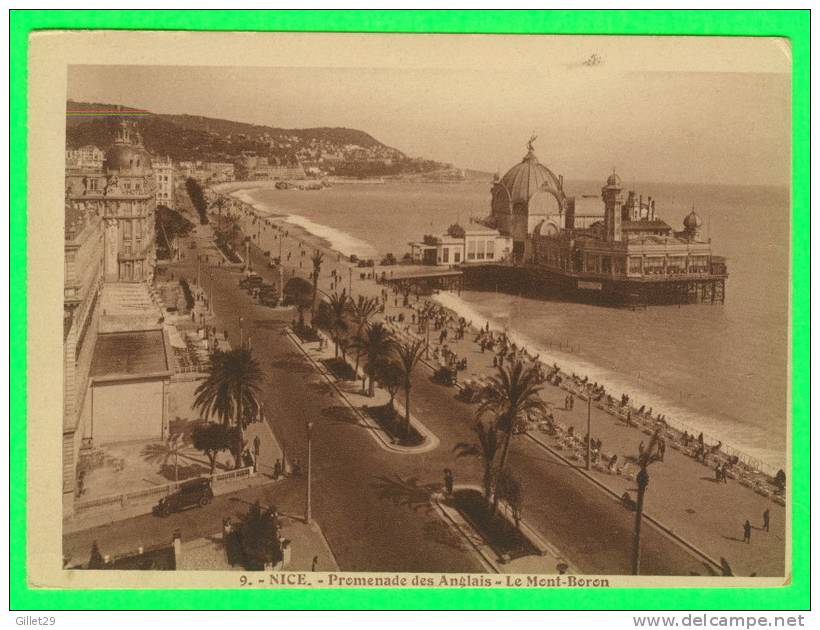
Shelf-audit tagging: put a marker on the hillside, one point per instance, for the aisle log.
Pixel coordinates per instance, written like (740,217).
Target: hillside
(337,150)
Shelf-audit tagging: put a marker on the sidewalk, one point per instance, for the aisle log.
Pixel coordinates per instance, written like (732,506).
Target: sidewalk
(306,542)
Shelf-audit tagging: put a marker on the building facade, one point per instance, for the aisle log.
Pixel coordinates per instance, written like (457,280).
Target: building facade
(458,246)
(123,192)
(164,177)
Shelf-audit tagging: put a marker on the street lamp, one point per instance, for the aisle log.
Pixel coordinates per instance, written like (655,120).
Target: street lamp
(643,481)
(589,429)
(241,333)
(309,427)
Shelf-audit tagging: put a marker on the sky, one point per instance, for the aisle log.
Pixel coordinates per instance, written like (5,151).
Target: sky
(702,110)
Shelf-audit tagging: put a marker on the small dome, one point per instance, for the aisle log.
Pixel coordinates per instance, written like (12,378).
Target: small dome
(692,221)
(613,180)
(527,177)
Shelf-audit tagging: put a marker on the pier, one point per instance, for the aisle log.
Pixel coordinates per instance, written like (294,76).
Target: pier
(425,280)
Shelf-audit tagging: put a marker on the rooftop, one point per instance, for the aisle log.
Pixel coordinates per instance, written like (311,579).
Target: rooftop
(138,353)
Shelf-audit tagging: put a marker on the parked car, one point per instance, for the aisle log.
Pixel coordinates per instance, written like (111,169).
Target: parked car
(194,493)
(269,296)
(251,281)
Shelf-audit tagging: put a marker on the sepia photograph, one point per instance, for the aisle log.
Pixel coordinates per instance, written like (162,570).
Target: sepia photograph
(363,310)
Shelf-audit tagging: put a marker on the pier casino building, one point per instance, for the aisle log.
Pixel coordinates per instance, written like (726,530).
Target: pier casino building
(621,251)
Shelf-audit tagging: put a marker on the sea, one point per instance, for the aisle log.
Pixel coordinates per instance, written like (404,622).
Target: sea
(719,369)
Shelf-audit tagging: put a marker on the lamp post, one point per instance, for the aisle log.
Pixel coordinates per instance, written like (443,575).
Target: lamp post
(350,282)
(643,481)
(309,427)
(241,333)
(589,428)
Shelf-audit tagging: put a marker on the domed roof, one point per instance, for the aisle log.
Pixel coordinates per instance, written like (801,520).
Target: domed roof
(527,177)
(613,180)
(692,221)
(127,159)
(127,155)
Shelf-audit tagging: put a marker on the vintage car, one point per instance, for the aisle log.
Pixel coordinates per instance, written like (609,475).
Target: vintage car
(194,493)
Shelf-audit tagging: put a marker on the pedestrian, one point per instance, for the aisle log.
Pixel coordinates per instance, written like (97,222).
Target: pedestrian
(448,481)
(661,448)
(277,469)
(723,473)
(718,472)
(747,532)
(766,519)
(641,449)
(314,563)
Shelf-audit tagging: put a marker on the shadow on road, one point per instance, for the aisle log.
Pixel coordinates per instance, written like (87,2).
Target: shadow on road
(291,363)
(342,415)
(406,492)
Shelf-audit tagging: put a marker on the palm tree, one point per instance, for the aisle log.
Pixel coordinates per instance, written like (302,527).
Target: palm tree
(649,456)
(391,376)
(408,355)
(376,343)
(163,452)
(510,397)
(486,449)
(316,259)
(337,317)
(361,311)
(229,392)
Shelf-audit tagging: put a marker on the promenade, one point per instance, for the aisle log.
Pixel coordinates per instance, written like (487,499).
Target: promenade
(683,495)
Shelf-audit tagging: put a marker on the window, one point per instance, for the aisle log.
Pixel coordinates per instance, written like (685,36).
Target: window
(471,249)
(126,229)
(654,265)
(491,249)
(635,265)
(138,229)
(445,255)
(457,256)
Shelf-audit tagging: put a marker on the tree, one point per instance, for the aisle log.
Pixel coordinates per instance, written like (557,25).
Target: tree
(511,396)
(298,292)
(645,459)
(391,377)
(316,259)
(408,355)
(509,489)
(486,449)
(258,533)
(361,311)
(212,438)
(229,392)
(338,306)
(376,343)
(163,452)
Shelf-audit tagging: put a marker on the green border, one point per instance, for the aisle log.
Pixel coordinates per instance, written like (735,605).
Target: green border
(793,25)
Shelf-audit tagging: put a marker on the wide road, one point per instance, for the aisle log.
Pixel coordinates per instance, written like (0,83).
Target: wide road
(373,520)
(373,505)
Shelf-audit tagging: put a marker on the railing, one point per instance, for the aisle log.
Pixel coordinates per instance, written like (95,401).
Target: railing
(160,491)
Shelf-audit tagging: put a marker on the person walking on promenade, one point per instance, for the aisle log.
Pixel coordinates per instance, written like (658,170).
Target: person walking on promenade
(641,448)
(747,532)
(314,563)
(257,446)
(661,448)
(724,473)
(277,469)
(448,481)
(766,519)
(718,472)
